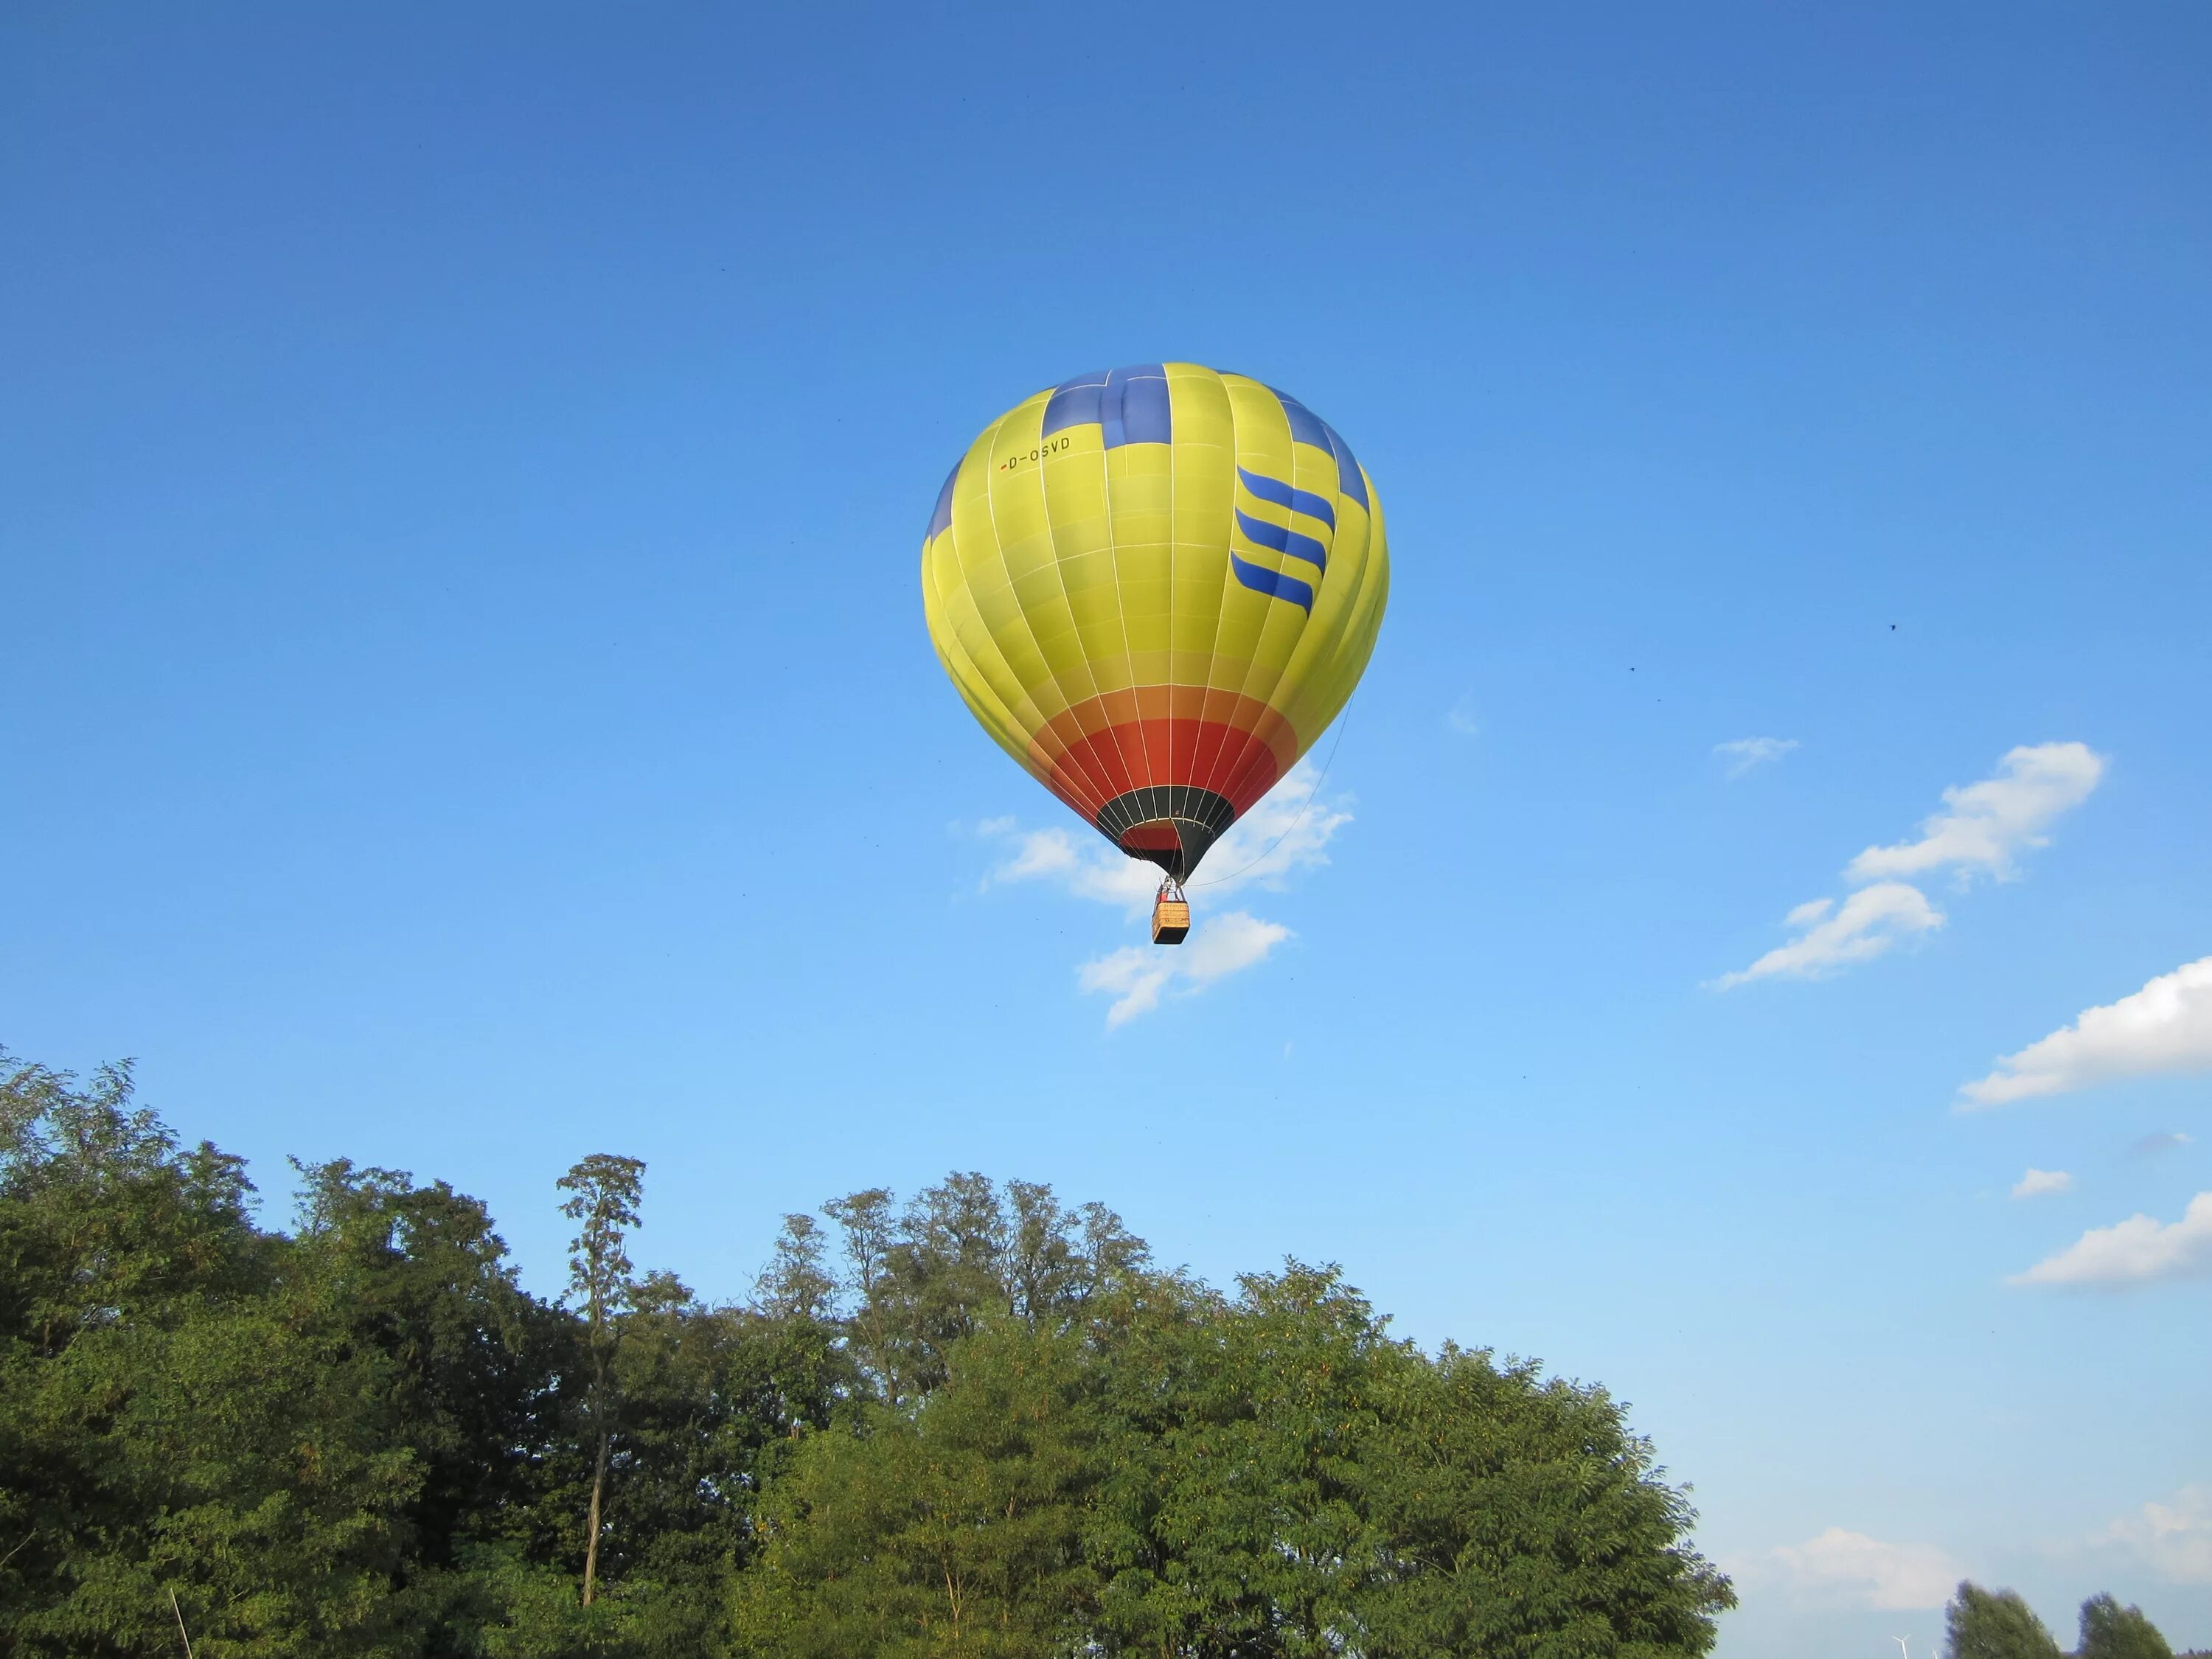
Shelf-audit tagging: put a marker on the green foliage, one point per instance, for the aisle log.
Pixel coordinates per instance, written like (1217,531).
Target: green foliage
(952,1527)
(1983,1624)
(474,1366)
(2110,1630)
(1138,1466)
(1998,1624)
(604,1193)
(1286,1480)
(185,1410)
(979,1423)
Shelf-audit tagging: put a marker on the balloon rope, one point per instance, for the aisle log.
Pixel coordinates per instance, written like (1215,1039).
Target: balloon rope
(1311,795)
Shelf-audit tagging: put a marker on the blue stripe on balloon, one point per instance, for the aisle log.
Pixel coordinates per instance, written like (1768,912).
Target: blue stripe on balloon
(1305,425)
(1282,495)
(1128,406)
(1273,583)
(1111,431)
(1348,479)
(941,521)
(1074,403)
(1282,540)
(1308,428)
(1143,415)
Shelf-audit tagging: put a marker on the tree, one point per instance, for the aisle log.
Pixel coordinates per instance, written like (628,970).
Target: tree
(604,1199)
(959,1259)
(1983,1624)
(797,1284)
(998,1433)
(418,1274)
(2110,1630)
(184,1408)
(951,1529)
(1132,1464)
(1284,1479)
(865,1219)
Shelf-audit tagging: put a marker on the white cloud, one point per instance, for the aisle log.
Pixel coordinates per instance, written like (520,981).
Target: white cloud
(2165,1027)
(1984,825)
(1136,974)
(1039,853)
(1288,832)
(2036,1182)
(2175,1538)
(1745,753)
(1463,718)
(2160,1140)
(2140,1250)
(1853,1569)
(1085,870)
(1980,830)
(1871,920)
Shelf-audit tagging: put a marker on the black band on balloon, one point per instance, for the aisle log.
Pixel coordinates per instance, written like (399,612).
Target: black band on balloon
(1199,817)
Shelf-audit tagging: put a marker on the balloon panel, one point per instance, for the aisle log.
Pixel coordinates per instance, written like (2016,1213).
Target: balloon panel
(1155,586)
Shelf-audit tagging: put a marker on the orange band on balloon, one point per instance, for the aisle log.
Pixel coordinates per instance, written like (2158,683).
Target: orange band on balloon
(1190,735)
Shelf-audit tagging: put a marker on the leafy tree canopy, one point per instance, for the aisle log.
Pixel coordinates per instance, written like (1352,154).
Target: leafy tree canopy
(2110,1630)
(980,1422)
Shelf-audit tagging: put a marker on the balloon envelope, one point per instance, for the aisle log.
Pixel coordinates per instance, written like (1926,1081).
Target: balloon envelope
(1154,588)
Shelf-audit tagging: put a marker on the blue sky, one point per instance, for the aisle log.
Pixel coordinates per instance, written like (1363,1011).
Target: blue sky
(465,701)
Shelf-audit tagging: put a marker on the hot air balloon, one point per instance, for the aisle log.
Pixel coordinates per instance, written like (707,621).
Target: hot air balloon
(1154,588)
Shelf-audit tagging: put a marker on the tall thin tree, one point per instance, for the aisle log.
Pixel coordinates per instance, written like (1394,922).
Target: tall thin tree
(603,1195)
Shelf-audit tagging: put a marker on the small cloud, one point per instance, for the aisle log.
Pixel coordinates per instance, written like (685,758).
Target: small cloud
(1744,753)
(2162,1140)
(1983,825)
(2174,1538)
(2141,1251)
(2036,1182)
(1136,976)
(1851,1569)
(1084,868)
(1462,720)
(1040,853)
(1287,831)
(2165,1027)
(1871,920)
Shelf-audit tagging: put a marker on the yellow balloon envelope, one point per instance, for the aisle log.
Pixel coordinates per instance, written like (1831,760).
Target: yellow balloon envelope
(1156,587)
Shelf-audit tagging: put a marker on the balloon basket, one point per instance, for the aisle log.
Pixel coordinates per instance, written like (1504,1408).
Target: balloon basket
(1170,916)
